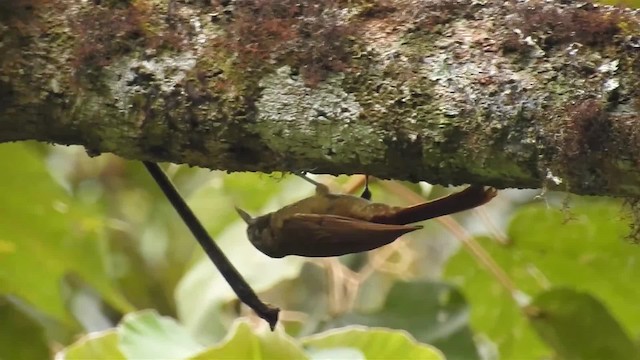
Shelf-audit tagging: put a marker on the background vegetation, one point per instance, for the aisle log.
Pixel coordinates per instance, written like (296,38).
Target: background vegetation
(94,263)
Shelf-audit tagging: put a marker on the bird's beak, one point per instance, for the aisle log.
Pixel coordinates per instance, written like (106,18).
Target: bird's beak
(246,217)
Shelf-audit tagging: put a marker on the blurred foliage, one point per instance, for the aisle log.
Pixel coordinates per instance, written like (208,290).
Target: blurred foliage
(94,263)
(557,316)
(634,4)
(580,247)
(146,335)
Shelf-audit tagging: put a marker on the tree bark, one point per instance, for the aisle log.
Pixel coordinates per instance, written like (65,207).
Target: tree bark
(510,94)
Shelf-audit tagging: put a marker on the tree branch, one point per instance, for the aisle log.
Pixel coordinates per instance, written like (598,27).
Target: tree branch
(508,94)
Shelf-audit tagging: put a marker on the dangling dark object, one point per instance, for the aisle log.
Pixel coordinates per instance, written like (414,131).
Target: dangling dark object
(239,285)
(366,194)
(328,224)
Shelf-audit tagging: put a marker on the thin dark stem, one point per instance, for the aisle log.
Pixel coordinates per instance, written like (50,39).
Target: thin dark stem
(234,278)
(366,194)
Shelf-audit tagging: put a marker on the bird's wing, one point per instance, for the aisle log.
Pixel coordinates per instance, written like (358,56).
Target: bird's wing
(315,235)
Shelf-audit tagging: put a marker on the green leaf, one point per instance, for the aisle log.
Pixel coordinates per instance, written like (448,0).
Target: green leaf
(345,353)
(147,335)
(577,326)
(374,343)
(44,228)
(95,346)
(493,311)
(582,248)
(21,337)
(244,343)
(632,4)
(434,313)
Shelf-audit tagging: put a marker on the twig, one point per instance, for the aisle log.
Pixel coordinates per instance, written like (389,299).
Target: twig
(239,285)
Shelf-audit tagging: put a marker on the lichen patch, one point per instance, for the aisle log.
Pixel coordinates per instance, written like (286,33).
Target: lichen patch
(292,118)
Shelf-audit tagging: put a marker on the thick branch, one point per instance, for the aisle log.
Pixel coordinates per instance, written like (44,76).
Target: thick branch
(503,94)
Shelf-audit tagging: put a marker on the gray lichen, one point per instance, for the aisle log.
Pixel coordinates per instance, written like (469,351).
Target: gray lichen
(295,119)
(165,71)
